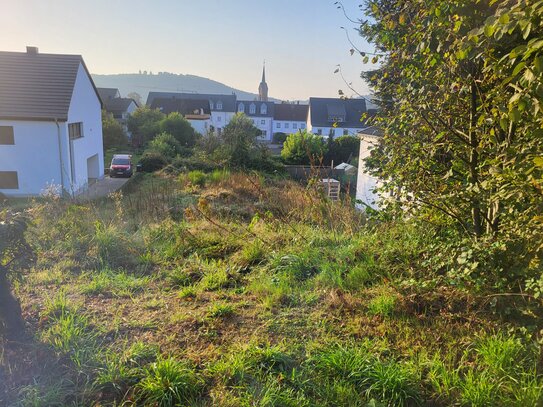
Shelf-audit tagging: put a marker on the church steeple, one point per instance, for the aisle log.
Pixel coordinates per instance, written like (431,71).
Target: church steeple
(263,87)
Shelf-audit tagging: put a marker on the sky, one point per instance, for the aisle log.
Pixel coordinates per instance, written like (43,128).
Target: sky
(224,40)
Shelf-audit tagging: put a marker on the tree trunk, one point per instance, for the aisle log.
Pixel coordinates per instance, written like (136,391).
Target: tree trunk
(474,163)
(10,309)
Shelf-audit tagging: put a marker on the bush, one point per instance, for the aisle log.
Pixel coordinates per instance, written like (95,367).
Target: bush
(343,149)
(179,128)
(112,132)
(186,164)
(144,124)
(279,138)
(152,161)
(303,148)
(166,145)
(197,178)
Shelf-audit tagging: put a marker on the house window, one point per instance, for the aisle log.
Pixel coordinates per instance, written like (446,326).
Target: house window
(303,125)
(345,132)
(278,125)
(252,109)
(211,104)
(241,108)
(294,125)
(319,132)
(286,125)
(219,118)
(332,132)
(9,180)
(219,105)
(264,133)
(75,130)
(263,109)
(6,135)
(262,122)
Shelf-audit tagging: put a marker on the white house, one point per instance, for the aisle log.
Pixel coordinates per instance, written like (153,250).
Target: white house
(336,117)
(222,107)
(50,124)
(290,118)
(366,183)
(261,113)
(196,111)
(121,108)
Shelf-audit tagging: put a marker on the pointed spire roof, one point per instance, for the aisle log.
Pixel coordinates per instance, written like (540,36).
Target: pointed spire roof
(264,73)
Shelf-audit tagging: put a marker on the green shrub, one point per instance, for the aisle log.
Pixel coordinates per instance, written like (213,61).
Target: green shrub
(303,148)
(279,137)
(197,178)
(152,161)
(164,144)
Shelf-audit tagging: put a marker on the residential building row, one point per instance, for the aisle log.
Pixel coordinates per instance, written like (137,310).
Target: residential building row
(51,124)
(324,116)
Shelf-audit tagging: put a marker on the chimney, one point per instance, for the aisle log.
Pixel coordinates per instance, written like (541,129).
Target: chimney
(32,50)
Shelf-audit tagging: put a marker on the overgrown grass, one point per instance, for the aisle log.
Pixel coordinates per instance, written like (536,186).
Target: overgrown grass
(236,289)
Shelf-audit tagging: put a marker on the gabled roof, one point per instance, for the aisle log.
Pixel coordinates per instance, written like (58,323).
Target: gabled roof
(324,112)
(117,105)
(290,112)
(108,93)
(182,106)
(35,86)
(228,101)
(270,108)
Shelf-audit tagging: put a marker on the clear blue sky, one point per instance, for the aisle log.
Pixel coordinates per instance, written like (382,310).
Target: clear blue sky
(225,40)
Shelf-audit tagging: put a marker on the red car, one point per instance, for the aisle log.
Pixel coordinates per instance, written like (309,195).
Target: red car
(121,166)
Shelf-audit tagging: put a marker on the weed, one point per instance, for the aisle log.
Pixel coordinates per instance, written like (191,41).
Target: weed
(197,177)
(382,305)
(117,284)
(220,311)
(169,382)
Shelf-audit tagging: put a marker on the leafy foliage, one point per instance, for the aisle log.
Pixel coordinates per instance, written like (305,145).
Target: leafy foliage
(112,131)
(179,128)
(459,93)
(303,148)
(144,123)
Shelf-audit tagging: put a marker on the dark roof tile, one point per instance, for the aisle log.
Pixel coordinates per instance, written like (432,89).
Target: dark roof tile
(290,112)
(37,86)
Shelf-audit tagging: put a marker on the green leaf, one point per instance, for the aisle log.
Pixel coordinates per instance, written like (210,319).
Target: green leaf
(519,67)
(538,161)
(538,64)
(489,30)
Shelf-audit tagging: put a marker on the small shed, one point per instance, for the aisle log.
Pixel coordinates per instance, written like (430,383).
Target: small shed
(348,168)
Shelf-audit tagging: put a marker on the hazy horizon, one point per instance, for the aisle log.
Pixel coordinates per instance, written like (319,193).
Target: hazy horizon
(301,40)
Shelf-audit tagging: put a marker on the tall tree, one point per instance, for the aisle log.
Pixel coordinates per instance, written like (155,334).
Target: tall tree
(180,128)
(112,131)
(144,123)
(240,140)
(453,142)
(14,252)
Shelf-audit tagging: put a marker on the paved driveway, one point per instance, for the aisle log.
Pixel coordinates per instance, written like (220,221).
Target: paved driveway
(104,187)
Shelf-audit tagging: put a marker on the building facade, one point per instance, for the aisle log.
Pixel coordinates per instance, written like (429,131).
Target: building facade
(50,124)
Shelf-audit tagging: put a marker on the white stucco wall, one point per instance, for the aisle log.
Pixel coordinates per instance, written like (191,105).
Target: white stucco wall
(366,183)
(264,124)
(35,156)
(293,127)
(220,119)
(200,126)
(85,107)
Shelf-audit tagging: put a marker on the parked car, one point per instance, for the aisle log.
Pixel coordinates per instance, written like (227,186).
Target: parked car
(121,166)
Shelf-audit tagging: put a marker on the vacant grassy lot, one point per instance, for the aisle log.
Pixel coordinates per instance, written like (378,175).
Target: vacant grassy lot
(238,290)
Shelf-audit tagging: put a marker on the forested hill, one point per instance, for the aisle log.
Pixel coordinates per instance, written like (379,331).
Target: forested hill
(166,82)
